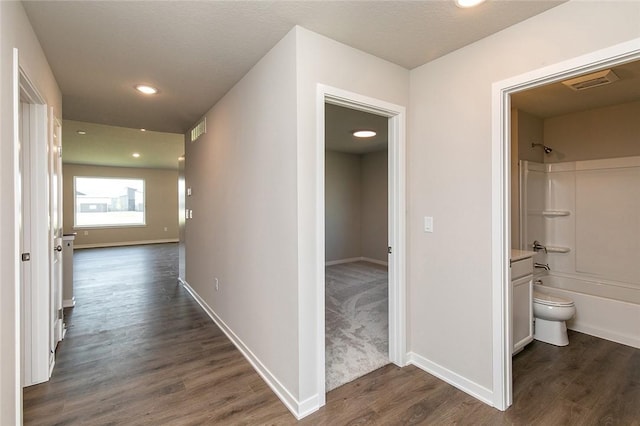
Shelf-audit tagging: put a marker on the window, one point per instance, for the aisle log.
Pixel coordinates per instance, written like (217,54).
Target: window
(102,202)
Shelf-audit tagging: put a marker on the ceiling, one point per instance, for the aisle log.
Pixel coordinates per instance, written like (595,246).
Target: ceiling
(341,122)
(557,99)
(113,146)
(195,51)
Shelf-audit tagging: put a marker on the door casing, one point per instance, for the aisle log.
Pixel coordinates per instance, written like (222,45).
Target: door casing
(501,194)
(397,221)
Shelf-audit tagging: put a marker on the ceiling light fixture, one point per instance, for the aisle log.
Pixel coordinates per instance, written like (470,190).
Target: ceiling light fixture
(146,89)
(135,155)
(143,130)
(465,4)
(81,132)
(364,133)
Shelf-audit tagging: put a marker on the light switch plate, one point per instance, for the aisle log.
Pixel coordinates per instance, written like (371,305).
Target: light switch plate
(428,224)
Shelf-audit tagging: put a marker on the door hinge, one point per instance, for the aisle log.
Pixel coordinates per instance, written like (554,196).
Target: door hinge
(26,257)
(59,314)
(389,249)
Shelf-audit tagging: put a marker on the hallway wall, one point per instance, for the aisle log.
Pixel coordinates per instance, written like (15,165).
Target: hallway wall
(450,178)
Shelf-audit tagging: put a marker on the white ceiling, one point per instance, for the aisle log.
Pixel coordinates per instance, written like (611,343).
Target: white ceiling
(114,146)
(556,99)
(195,51)
(341,122)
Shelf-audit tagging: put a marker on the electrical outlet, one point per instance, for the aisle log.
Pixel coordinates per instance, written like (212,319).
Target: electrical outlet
(166,229)
(86,232)
(217,284)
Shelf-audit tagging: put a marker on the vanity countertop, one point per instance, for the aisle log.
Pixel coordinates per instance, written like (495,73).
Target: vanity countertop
(520,254)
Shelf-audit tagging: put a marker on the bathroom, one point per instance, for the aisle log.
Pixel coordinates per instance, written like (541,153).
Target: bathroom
(575,186)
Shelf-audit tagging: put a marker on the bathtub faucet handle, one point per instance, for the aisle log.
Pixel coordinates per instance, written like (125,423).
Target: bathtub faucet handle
(537,245)
(544,266)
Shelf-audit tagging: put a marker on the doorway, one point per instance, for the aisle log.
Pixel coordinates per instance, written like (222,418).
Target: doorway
(501,204)
(356,244)
(395,116)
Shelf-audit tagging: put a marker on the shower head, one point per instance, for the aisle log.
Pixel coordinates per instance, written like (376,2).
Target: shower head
(546,149)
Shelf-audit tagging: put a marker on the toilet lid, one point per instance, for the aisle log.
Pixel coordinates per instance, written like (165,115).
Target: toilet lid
(549,300)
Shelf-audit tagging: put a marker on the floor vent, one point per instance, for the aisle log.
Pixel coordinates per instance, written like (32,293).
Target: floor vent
(590,81)
(199,130)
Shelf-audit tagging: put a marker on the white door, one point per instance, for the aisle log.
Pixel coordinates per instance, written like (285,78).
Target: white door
(55,235)
(35,287)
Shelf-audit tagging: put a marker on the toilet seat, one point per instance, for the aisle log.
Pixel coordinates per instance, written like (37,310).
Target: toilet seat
(549,300)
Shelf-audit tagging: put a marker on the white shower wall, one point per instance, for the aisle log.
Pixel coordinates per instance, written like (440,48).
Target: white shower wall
(591,208)
(587,213)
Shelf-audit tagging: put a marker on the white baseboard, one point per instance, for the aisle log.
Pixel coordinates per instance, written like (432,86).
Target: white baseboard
(69,303)
(356,259)
(125,243)
(621,338)
(376,261)
(299,409)
(475,390)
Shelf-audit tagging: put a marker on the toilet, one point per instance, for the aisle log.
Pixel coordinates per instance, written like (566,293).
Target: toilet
(550,313)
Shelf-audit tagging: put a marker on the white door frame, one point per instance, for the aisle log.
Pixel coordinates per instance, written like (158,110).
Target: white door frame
(397,220)
(35,306)
(501,151)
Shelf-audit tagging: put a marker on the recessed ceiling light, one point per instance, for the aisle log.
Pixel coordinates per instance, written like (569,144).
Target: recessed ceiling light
(147,90)
(364,133)
(135,155)
(81,132)
(468,3)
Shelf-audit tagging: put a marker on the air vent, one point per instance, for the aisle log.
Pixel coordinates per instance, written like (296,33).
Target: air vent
(199,130)
(590,81)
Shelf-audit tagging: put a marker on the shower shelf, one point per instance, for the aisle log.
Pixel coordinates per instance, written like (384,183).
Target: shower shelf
(552,249)
(555,213)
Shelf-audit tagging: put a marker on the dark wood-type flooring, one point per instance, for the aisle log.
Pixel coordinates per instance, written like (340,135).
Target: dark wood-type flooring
(140,351)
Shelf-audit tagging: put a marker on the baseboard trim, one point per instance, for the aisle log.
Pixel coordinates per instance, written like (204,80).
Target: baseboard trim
(376,261)
(69,303)
(454,379)
(355,259)
(299,409)
(623,339)
(125,243)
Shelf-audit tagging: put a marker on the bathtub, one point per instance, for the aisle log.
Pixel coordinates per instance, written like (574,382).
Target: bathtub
(608,310)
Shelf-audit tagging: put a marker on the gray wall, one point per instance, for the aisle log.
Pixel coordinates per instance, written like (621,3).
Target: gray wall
(375,210)
(450,175)
(161,195)
(608,132)
(343,206)
(356,206)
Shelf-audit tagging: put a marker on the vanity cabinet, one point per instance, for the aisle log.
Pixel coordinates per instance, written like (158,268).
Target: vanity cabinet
(521,301)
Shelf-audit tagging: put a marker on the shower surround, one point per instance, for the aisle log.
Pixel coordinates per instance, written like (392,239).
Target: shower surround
(587,215)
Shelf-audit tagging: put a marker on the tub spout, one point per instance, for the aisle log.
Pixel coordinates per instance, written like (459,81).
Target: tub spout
(544,266)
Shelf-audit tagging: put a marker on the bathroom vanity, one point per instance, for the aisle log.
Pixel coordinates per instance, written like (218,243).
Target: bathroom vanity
(521,299)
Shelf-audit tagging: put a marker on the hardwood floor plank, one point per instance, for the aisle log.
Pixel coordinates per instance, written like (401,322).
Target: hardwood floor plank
(140,351)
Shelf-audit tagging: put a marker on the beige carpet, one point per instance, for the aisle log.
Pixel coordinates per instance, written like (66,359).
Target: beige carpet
(357,321)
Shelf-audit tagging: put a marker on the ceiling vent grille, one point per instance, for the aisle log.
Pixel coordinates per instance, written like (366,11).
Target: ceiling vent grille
(199,130)
(590,81)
